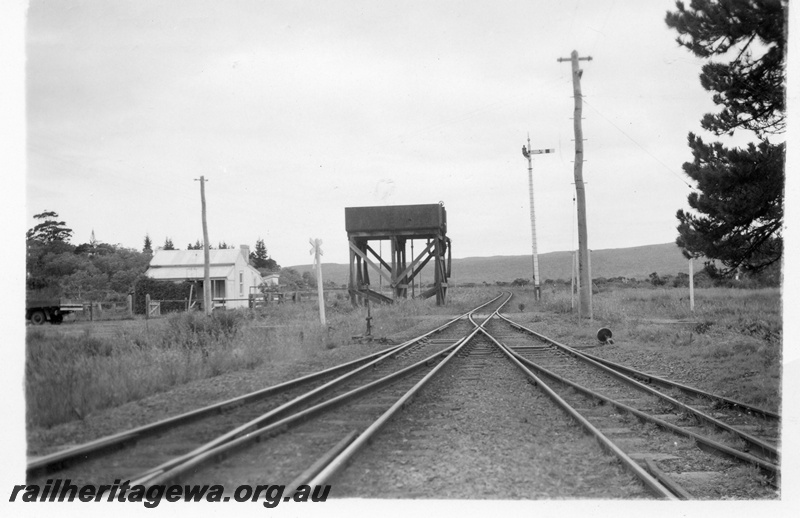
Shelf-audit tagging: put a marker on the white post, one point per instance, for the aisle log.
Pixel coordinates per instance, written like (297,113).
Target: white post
(691,284)
(572,283)
(578,281)
(316,249)
(591,286)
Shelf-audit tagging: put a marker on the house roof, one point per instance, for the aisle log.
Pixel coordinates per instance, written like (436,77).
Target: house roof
(194,257)
(188,264)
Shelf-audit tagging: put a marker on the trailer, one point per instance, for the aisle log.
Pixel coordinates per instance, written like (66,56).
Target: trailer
(41,310)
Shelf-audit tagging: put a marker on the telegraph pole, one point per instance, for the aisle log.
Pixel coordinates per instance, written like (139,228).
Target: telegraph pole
(527,152)
(585,304)
(206,260)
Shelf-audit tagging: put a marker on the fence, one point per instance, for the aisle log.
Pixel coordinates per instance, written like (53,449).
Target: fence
(153,308)
(257,300)
(97,310)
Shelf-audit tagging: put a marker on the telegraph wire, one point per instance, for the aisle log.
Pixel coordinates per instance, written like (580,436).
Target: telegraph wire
(665,166)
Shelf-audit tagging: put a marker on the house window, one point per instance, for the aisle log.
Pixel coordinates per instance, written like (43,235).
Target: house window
(241,283)
(218,289)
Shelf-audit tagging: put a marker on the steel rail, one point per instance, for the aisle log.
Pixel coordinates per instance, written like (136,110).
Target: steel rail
(648,480)
(367,435)
(321,462)
(766,449)
(665,383)
(655,380)
(98,447)
(255,427)
(701,439)
(171,472)
(668,482)
(52,462)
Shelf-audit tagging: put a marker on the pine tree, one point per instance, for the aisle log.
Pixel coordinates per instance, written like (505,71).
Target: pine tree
(148,245)
(739,197)
(261,260)
(259,257)
(168,244)
(49,230)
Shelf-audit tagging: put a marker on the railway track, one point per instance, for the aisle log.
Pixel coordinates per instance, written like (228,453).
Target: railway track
(210,433)
(176,429)
(667,440)
(679,442)
(695,444)
(481,430)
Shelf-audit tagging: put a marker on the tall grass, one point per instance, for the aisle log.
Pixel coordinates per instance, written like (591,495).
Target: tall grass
(734,336)
(69,377)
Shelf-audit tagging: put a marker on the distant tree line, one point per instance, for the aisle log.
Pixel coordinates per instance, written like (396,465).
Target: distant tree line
(92,270)
(709,276)
(97,270)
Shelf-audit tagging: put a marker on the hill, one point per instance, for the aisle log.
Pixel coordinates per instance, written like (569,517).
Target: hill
(636,262)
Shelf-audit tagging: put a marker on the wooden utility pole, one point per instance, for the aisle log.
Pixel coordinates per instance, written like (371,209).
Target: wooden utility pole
(585,299)
(206,260)
(527,152)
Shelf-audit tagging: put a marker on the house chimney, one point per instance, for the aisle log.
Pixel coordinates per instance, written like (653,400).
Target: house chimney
(245,252)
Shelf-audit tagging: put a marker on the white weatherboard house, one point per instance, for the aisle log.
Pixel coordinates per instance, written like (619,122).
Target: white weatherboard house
(271,279)
(230,272)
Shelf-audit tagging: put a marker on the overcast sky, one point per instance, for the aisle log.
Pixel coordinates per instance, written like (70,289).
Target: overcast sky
(295,110)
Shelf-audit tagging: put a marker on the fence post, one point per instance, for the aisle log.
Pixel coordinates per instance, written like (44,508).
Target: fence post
(147,306)
(691,284)
(130,304)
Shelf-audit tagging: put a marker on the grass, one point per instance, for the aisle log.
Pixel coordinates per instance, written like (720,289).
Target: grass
(69,377)
(731,344)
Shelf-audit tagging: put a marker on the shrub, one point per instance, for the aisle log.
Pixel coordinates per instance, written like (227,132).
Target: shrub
(195,329)
(655,280)
(681,281)
(160,290)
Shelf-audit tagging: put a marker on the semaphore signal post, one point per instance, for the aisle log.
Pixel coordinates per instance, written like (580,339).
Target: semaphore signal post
(527,152)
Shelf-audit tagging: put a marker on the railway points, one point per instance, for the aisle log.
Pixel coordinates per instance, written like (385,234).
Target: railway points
(373,422)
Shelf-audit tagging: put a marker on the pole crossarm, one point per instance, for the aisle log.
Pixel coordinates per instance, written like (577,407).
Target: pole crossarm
(587,58)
